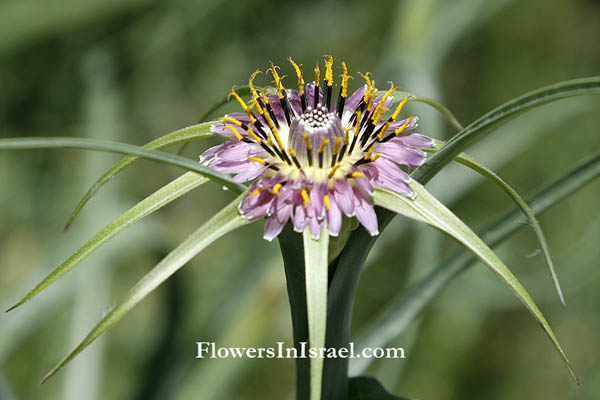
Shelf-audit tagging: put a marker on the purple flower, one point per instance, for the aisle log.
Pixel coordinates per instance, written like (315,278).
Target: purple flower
(313,160)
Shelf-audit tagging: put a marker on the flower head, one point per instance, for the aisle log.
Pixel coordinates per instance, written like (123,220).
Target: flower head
(313,160)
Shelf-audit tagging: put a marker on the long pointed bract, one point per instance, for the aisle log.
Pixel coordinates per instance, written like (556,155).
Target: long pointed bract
(158,199)
(315,258)
(227,220)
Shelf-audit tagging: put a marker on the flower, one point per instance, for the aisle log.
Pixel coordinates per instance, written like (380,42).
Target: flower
(313,160)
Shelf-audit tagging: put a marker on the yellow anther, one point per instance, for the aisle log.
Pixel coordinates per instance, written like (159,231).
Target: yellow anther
(357,175)
(264,96)
(277,78)
(326,201)
(254,136)
(375,157)
(329,71)
(399,108)
(300,77)
(251,83)
(344,80)
(232,120)
(346,136)
(323,144)
(256,192)
(304,195)
(317,75)
(336,145)
(307,141)
(370,153)
(255,103)
(276,188)
(292,152)
(258,160)
(244,105)
(333,170)
(403,127)
(235,132)
(379,110)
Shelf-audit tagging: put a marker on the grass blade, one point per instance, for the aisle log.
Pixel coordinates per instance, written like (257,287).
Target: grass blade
(158,199)
(316,269)
(121,148)
(499,115)
(397,316)
(535,225)
(227,220)
(437,215)
(183,135)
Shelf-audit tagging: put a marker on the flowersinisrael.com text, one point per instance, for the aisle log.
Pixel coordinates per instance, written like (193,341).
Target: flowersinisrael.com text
(211,350)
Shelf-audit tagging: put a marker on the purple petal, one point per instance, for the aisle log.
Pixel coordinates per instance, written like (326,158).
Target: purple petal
(299,218)
(344,195)
(334,217)
(365,213)
(401,154)
(273,227)
(413,139)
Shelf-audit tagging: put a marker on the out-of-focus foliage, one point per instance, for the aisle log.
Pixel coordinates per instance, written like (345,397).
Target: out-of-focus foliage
(134,70)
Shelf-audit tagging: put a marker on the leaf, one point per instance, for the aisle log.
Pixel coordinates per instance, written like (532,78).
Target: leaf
(182,135)
(227,220)
(535,225)
(394,319)
(437,215)
(316,270)
(122,148)
(480,127)
(158,199)
(367,388)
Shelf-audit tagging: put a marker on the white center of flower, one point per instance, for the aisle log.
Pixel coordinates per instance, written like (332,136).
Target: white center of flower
(317,119)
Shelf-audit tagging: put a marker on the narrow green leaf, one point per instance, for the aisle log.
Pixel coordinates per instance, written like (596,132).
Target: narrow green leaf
(316,269)
(227,220)
(396,317)
(535,225)
(437,215)
(121,148)
(480,127)
(182,135)
(158,199)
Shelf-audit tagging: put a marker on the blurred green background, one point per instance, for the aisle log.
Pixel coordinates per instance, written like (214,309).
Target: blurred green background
(133,70)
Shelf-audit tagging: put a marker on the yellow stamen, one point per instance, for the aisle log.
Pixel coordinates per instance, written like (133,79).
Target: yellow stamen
(403,127)
(329,71)
(317,75)
(304,195)
(379,110)
(232,120)
(323,144)
(336,146)
(308,145)
(235,132)
(344,80)
(370,153)
(326,201)
(256,192)
(346,136)
(392,118)
(333,170)
(278,83)
(258,160)
(276,188)
(264,96)
(251,83)
(357,175)
(244,105)
(300,77)
(399,108)
(292,152)
(375,157)
(254,136)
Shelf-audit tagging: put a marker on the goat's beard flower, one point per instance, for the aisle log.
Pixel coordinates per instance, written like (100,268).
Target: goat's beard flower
(311,160)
